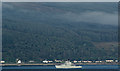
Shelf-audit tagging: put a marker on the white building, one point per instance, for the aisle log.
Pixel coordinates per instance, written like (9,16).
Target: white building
(116,60)
(79,61)
(58,61)
(2,61)
(89,61)
(75,61)
(98,61)
(109,60)
(45,61)
(84,61)
(50,61)
(19,61)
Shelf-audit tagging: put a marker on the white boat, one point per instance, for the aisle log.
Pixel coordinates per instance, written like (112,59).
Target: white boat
(67,65)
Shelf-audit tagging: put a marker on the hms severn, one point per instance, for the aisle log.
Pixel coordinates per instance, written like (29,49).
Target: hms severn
(67,65)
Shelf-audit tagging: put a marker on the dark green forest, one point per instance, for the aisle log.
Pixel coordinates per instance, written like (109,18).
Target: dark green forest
(33,31)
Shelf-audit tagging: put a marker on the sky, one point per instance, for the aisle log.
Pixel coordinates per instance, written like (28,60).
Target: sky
(60,0)
(95,16)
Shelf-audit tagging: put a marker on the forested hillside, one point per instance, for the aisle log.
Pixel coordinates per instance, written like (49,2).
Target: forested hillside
(38,31)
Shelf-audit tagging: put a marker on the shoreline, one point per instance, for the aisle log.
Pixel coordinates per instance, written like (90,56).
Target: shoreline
(25,64)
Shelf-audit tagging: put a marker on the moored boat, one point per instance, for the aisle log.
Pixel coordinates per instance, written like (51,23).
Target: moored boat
(67,65)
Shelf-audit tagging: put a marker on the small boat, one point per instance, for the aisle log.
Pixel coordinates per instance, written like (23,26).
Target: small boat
(67,65)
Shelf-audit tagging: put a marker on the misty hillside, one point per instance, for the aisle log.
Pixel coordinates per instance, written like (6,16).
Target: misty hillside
(38,31)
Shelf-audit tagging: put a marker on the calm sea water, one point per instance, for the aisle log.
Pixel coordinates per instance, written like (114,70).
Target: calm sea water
(52,68)
(64,70)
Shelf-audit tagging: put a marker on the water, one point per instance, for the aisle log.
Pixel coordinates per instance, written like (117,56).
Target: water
(64,70)
(52,68)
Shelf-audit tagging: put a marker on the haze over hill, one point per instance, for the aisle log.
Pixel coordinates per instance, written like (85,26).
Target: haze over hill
(38,31)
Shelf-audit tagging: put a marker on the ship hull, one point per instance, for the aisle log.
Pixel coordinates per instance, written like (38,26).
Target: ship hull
(68,67)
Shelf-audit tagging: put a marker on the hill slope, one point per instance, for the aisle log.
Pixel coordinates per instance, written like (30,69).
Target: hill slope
(38,31)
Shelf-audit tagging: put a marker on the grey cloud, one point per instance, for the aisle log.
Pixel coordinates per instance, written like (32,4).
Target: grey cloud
(93,17)
(4,5)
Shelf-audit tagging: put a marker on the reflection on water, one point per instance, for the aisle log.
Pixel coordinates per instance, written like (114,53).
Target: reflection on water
(62,70)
